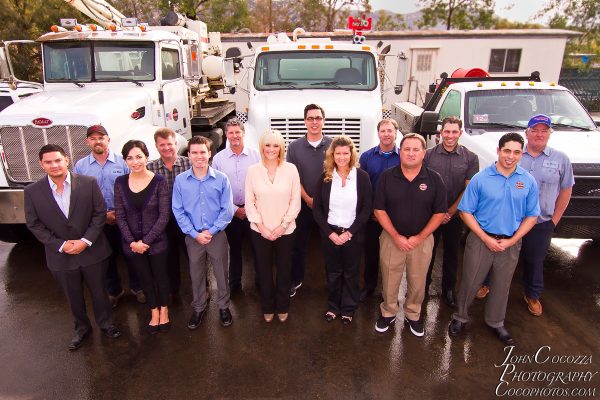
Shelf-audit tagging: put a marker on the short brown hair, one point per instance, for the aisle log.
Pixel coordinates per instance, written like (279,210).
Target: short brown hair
(313,107)
(452,119)
(234,122)
(164,133)
(413,135)
(388,121)
(200,140)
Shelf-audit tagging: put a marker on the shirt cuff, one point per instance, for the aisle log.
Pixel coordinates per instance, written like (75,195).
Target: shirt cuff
(86,241)
(213,230)
(60,249)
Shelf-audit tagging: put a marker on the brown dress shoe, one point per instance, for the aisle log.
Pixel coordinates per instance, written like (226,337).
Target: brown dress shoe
(482,292)
(534,306)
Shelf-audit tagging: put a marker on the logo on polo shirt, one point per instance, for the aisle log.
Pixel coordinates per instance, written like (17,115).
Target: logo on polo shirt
(423,186)
(520,185)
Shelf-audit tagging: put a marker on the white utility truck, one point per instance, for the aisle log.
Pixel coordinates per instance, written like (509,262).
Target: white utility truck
(13,89)
(492,106)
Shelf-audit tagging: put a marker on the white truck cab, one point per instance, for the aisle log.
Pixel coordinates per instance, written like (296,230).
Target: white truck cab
(490,107)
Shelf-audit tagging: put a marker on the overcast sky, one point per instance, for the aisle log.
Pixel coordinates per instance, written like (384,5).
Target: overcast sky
(514,10)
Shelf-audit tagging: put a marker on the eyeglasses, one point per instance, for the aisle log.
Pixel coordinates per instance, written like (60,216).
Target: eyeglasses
(314,119)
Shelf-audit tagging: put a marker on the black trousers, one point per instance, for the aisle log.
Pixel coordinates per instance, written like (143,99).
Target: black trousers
(533,252)
(450,233)
(176,243)
(114,284)
(94,277)
(371,254)
(152,270)
(274,297)
(304,224)
(237,231)
(342,264)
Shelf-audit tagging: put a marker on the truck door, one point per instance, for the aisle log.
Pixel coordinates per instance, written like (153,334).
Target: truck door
(422,73)
(174,89)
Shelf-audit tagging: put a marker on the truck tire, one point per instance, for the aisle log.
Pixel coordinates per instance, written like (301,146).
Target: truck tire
(16,233)
(215,135)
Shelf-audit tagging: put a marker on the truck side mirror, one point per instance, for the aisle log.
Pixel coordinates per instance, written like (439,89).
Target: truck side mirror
(401,73)
(229,73)
(429,123)
(235,53)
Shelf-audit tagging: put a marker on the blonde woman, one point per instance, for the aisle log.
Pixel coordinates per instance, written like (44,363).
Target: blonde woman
(272,205)
(341,207)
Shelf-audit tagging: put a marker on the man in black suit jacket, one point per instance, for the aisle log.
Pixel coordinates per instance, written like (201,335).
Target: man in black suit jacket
(66,212)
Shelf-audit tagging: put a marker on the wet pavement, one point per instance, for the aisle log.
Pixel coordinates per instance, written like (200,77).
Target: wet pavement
(304,357)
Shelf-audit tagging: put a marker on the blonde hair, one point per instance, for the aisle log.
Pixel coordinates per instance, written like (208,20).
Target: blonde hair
(272,136)
(329,163)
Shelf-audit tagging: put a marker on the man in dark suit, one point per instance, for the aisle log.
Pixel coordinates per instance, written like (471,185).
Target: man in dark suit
(66,212)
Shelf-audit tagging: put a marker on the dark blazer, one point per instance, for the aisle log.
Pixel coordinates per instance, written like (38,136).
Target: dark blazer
(87,215)
(363,203)
(148,224)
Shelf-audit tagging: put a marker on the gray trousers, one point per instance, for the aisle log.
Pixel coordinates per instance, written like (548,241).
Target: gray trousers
(217,252)
(477,262)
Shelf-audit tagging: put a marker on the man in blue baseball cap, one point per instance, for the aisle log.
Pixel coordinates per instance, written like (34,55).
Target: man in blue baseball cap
(554,175)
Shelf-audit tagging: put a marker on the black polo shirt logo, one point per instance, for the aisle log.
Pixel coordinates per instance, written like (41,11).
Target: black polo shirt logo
(423,186)
(520,185)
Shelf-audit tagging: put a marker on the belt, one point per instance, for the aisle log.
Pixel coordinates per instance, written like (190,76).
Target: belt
(497,236)
(239,205)
(338,229)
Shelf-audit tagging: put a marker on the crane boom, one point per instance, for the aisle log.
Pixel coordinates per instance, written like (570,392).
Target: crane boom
(98,10)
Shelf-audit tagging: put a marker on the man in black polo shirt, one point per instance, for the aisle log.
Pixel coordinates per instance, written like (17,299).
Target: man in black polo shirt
(457,165)
(307,154)
(410,204)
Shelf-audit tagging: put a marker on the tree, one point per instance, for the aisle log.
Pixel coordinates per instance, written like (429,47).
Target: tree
(222,15)
(333,9)
(387,22)
(457,14)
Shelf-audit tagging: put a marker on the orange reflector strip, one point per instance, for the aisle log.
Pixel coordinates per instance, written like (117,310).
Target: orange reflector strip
(264,48)
(329,46)
(78,28)
(517,83)
(194,56)
(366,48)
(315,46)
(301,46)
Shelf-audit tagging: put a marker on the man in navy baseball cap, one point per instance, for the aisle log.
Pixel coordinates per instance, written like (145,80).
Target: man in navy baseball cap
(540,119)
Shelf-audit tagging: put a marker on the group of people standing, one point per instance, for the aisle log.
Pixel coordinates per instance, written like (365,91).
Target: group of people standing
(394,205)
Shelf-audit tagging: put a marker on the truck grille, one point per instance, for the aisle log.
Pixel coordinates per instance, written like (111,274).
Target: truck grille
(585,200)
(21,146)
(293,128)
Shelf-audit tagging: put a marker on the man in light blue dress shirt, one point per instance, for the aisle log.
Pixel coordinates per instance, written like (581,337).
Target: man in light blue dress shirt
(234,161)
(203,207)
(106,166)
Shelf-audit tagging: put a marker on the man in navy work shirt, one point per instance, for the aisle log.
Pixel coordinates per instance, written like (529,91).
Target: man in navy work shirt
(106,166)
(500,205)
(374,161)
(553,173)
(410,203)
(203,206)
(307,154)
(457,165)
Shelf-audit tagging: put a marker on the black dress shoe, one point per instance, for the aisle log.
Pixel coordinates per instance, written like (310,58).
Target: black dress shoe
(449,299)
(503,335)
(77,340)
(196,319)
(226,317)
(111,332)
(456,327)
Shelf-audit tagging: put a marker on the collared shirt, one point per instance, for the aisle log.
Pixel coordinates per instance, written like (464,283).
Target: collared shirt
(62,199)
(105,174)
(235,167)
(454,167)
(180,165)
(342,200)
(202,204)
(553,172)
(500,203)
(410,204)
(308,160)
(374,162)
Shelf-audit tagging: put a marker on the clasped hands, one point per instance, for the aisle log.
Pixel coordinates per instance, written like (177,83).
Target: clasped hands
(74,246)
(271,235)
(139,247)
(341,238)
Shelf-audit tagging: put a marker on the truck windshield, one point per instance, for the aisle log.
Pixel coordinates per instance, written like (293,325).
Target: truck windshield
(337,70)
(98,61)
(512,108)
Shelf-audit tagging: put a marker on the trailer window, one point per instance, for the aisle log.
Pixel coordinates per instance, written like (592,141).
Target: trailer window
(315,70)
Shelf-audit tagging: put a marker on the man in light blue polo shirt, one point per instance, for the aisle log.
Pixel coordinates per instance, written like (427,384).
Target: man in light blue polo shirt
(500,205)
(106,166)
(203,207)
(553,173)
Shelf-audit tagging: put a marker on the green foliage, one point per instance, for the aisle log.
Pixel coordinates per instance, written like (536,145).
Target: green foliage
(222,15)
(457,14)
(387,22)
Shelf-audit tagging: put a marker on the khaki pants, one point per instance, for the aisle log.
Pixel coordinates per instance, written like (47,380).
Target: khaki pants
(392,261)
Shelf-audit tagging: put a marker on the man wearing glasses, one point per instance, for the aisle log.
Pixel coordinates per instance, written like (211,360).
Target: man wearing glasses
(307,154)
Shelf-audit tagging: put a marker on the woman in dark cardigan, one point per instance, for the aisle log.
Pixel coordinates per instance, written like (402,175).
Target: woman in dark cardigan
(142,207)
(341,207)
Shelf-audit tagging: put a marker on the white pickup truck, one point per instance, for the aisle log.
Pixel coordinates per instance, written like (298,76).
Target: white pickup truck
(493,106)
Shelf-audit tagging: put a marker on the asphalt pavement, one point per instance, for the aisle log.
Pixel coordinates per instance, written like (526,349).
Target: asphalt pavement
(305,357)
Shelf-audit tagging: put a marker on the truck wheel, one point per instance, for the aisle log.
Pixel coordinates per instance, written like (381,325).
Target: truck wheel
(16,233)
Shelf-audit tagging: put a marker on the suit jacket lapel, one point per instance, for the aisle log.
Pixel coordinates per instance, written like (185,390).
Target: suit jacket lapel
(53,202)
(74,194)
